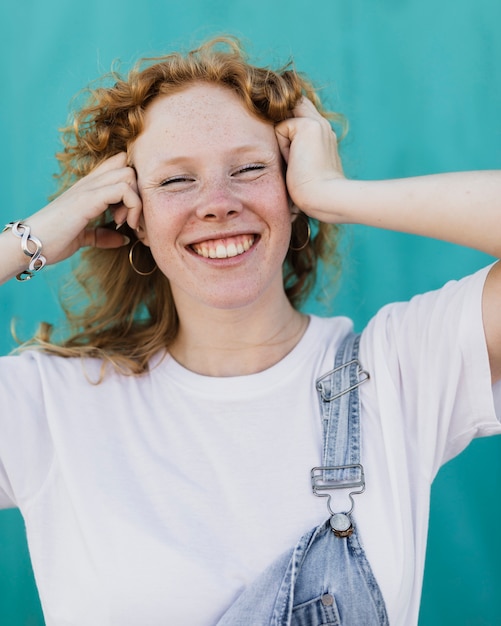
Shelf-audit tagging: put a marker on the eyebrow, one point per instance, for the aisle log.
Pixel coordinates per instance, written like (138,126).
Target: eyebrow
(181,159)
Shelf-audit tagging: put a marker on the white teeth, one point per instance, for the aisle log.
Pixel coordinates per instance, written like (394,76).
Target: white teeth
(231,250)
(221,251)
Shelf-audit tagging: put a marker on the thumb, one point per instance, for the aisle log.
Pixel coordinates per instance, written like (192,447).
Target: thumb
(284,132)
(104,238)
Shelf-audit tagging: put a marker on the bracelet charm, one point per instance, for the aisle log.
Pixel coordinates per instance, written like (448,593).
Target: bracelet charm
(37,261)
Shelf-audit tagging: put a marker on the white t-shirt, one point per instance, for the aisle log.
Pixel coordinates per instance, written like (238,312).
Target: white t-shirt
(154,500)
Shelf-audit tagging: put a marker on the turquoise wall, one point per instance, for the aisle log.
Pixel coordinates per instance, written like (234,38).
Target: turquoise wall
(419,81)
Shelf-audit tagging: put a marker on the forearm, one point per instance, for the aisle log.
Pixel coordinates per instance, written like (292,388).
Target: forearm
(35,241)
(65,225)
(462,208)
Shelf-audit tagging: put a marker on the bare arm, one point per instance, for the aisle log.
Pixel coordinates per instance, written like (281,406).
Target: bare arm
(462,208)
(63,225)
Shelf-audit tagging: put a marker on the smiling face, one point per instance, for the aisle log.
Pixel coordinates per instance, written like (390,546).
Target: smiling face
(215,207)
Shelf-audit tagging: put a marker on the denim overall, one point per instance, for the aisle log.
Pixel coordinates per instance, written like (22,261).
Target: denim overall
(325,580)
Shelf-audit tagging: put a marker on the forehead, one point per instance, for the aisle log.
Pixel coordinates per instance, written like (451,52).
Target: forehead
(202,113)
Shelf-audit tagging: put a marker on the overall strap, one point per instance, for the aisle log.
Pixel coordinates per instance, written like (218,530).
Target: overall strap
(322,578)
(340,410)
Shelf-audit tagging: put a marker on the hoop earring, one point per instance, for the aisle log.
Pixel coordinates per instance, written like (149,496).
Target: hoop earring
(131,261)
(308,231)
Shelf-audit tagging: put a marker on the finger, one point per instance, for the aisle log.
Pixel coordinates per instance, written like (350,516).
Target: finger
(119,214)
(306,108)
(100,179)
(284,143)
(120,197)
(134,206)
(133,203)
(117,161)
(128,209)
(103,238)
(285,132)
(133,218)
(123,194)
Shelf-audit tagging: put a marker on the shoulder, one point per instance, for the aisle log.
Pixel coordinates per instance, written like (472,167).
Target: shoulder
(430,367)
(35,366)
(455,308)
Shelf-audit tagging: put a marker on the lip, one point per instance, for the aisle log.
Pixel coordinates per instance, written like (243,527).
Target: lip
(222,235)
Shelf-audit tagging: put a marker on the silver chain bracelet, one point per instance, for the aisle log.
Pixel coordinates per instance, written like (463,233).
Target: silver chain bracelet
(37,261)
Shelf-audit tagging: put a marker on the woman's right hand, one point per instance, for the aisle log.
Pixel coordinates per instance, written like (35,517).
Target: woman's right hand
(63,225)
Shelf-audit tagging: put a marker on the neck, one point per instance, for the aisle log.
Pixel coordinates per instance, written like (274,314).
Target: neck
(237,342)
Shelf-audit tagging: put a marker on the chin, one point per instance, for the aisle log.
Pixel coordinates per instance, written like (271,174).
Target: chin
(228,295)
(237,298)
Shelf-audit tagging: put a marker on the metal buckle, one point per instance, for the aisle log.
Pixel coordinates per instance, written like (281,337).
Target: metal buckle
(340,523)
(362,374)
(320,483)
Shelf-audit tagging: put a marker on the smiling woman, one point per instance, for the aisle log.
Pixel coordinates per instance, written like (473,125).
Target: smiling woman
(210,175)
(123,120)
(179,453)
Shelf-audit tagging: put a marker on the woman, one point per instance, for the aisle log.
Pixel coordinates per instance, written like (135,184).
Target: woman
(163,465)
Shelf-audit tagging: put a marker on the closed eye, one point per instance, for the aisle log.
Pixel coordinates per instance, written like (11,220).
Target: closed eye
(252,167)
(176,179)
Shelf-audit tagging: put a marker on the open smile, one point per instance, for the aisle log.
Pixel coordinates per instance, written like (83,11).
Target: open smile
(224,248)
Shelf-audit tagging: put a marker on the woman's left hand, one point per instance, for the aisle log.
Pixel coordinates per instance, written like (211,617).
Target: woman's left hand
(309,147)
(462,207)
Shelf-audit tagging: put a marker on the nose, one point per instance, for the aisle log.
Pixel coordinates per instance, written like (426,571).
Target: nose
(217,202)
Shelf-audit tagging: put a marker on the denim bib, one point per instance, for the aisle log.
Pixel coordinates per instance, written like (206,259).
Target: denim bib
(325,579)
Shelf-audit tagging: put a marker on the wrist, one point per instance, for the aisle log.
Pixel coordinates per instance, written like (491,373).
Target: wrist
(31,247)
(328,201)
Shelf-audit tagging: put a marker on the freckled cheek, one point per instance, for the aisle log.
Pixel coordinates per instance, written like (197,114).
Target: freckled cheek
(274,193)
(161,215)
(278,201)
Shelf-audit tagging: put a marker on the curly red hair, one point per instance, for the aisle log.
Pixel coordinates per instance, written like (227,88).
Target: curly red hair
(127,318)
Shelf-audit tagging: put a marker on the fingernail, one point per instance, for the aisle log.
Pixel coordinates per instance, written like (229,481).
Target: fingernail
(120,225)
(126,240)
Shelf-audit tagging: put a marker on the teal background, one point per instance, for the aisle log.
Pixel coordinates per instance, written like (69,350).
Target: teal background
(419,81)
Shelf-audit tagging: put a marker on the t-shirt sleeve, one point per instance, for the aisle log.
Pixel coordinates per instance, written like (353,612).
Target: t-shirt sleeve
(432,376)
(25,446)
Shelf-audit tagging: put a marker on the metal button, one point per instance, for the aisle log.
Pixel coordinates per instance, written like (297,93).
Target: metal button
(327,599)
(341,525)
(340,522)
